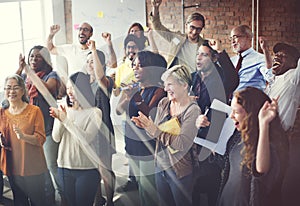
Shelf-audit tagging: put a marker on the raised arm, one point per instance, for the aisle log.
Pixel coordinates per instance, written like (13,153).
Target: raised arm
(263,154)
(52,84)
(152,41)
(265,48)
(98,67)
(112,54)
(51,47)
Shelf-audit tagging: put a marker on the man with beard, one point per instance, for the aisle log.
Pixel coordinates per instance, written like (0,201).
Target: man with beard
(211,81)
(74,53)
(124,72)
(286,68)
(183,47)
(250,64)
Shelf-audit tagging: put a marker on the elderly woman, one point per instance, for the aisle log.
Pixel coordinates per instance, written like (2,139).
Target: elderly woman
(22,155)
(76,127)
(258,159)
(174,131)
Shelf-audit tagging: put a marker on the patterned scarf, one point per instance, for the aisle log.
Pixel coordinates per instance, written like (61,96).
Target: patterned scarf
(32,90)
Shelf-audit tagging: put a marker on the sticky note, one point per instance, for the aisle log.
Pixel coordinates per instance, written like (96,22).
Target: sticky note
(100,14)
(76,26)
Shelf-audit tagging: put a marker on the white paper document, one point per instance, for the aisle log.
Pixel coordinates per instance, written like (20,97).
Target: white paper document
(226,132)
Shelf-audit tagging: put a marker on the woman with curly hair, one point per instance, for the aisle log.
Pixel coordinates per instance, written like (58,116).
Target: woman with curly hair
(257,159)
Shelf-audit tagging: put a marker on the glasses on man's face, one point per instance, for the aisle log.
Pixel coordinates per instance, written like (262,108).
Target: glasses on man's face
(131,47)
(8,89)
(235,37)
(203,54)
(198,29)
(84,29)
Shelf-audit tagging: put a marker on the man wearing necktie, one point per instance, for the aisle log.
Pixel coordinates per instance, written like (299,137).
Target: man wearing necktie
(250,64)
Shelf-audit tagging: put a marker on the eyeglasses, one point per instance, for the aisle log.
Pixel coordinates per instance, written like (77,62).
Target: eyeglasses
(131,47)
(234,37)
(84,29)
(202,54)
(198,29)
(17,88)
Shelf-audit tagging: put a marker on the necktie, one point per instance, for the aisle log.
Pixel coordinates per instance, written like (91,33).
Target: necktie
(239,64)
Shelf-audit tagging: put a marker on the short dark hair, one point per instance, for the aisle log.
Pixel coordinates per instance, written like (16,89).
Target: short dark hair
(139,42)
(291,50)
(154,63)
(213,52)
(195,17)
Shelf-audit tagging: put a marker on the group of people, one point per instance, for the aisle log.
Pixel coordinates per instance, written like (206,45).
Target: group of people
(66,149)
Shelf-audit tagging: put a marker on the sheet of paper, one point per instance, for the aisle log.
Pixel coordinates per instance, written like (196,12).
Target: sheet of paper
(226,133)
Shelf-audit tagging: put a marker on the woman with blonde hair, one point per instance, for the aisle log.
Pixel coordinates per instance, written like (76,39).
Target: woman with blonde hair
(174,131)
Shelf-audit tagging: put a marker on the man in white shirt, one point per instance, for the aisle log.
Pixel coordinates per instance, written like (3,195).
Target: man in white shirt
(74,53)
(286,86)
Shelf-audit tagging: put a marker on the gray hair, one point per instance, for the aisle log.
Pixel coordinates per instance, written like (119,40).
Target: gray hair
(21,83)
(180,73)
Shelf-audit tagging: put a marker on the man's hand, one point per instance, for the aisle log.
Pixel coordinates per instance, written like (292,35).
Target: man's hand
(107,37)
(263,43)
(54,29)
(156,3)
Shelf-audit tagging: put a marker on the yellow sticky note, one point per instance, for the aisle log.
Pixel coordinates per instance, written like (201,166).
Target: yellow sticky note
(100,14)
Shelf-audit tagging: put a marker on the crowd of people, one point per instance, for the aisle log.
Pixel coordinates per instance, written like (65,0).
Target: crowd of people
(65,148)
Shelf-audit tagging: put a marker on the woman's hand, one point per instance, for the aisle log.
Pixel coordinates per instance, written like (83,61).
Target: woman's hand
(61,114)
(18,132)
(268,111)
(202,121)
(91,45)
(22,63)
(143,121)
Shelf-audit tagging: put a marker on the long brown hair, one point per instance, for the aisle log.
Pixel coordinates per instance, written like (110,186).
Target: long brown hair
(252,99)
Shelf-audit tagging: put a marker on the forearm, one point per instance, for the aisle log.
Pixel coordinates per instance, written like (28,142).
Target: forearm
(20,70)
(113,56)
(50,45)
(268,58)
(122,104)
(263,149)
(33,139)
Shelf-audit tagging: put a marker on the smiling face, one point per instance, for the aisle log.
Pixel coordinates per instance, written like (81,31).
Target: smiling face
(282,62)
(193,30)
(13,91)
(174,89)
(238,113)
(239,41)
(84,33)
(135,30)
(131,50)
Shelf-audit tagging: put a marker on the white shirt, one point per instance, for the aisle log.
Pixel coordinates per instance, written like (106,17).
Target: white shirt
(287,87)
(76,57)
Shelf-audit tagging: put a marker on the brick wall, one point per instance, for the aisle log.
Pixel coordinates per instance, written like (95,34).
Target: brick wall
(279,20)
